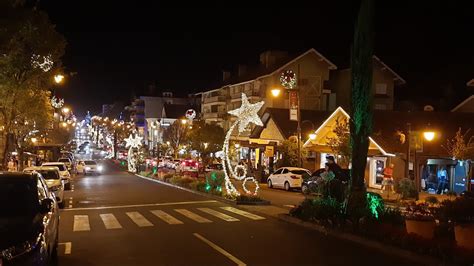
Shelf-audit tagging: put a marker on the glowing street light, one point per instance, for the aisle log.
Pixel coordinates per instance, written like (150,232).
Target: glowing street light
(66,110)
(58,78)
(237,145)
(429,135)
(275,92)
(206,145)
(184,121)
(64,124)
(34,140)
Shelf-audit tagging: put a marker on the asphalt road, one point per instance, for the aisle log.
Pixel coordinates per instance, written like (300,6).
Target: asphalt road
(120,219)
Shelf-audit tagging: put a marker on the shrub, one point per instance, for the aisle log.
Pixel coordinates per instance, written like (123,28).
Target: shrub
(245,198)
(167,177)
(460,210)
(432,200)
(214,183)
(323,210)
(198,185)
(406,188)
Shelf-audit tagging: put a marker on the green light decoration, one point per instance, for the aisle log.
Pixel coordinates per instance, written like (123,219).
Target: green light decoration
(208,187)
(155,169)
(214,175)
(122,163)
(375,204)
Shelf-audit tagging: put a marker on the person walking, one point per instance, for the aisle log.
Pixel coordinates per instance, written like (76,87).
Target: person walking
(388,179)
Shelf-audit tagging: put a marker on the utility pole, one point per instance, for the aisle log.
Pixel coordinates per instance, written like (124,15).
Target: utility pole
(408,150)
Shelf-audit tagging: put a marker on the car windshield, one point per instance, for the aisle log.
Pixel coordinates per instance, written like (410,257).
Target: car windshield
(49,174)
(89,163)
(303,173)
(60,166)
(18,197)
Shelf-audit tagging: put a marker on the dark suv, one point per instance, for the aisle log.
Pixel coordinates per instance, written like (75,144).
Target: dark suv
(29,220)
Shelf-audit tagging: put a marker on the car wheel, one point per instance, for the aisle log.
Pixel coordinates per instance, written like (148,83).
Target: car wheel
(304,189)
(287,186)
(270,183)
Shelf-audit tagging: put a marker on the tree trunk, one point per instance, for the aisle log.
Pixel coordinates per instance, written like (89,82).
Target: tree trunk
(361,112)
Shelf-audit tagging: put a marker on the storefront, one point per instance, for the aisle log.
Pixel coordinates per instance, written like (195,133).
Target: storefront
(439,176)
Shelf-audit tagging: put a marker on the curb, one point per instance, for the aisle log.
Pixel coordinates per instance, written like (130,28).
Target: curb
(389,250)
(189,190)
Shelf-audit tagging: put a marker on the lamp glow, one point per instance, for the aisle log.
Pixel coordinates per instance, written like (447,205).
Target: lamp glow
(58,78)
(312,136)
(429,135)
(275,92)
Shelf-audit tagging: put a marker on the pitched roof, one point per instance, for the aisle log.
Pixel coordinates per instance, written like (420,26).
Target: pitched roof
(288,128)
(262,71)
(397,78)
(466,101)
(470,83)
(175,110)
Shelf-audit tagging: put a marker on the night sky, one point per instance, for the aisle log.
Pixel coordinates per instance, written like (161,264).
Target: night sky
(116,48)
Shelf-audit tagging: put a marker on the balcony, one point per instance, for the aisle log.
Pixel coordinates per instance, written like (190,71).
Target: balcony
(213,116)
(215,100)
(253,96)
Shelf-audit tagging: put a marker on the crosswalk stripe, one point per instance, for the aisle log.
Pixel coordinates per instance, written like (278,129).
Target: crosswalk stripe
(166,217)
(138,219)
(193,216)
(81,223)
(219,215)
(243,213)
(110,221)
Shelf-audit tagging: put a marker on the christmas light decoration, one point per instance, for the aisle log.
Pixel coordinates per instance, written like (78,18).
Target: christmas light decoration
(132,143)
(190,114)
(45,62)
(57,102)
(246,114)
(288,79)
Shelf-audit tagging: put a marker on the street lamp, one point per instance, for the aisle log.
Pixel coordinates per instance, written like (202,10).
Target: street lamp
(58,78)
(64,124)
(276,92)
(34,140)
(184,121)
(429,135)
(66,110)
(206,145)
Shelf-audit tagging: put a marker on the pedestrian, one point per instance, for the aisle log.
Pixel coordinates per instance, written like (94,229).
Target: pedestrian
(11,165)
(442,180)
(388,178)
(334,167)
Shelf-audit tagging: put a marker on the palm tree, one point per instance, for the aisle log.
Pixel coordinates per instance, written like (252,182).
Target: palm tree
(361,113)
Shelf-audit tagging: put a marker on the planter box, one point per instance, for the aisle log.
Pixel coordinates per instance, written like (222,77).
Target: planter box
(424,229)
(464,234)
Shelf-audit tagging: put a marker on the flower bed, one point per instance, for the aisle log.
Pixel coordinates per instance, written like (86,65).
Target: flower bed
(388,225)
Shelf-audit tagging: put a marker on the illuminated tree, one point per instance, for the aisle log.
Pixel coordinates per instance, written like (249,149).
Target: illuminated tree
(361,113)
(206,139)
(30,52)
(176,135)
(340,143)
(460,147)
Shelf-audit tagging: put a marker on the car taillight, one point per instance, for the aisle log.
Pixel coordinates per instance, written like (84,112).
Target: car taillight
(294,177)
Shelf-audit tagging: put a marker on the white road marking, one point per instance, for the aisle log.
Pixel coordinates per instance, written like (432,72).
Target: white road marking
(221,250)
(193,216)
(81,223)
(67,247)
(243,213)
(142,205)
(166,217)
(110,221)
(219,215)
(139,219)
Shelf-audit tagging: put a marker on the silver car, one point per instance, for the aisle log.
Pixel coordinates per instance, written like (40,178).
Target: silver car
(53,180)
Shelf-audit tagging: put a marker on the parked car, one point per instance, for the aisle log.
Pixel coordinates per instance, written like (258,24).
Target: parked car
(310,183)
(288,178)
(29,220)
(65,175)
(213,167)
(91,167)
(67,162)
(188,166)
(53,180)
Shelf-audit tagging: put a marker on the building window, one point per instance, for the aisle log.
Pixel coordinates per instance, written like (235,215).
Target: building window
(379,106)
(381,89)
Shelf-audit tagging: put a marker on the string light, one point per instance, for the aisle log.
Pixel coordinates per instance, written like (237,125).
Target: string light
(132,143)
(57,102)
(246,114)
(45,62)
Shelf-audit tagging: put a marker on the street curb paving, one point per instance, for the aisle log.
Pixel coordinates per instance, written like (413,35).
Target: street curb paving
(389,250)
(188,190)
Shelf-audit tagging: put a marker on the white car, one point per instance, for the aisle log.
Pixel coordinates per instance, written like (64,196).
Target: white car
(288,178)
(62,171)
(92,167)
(52,178)
(67,162)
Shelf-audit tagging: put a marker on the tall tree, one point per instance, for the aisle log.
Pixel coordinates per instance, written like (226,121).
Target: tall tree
(30,52)
(206,139)
(176,134)
(361,112)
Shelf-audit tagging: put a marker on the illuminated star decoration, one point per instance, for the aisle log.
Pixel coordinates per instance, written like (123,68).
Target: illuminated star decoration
(247,113)
(133,142)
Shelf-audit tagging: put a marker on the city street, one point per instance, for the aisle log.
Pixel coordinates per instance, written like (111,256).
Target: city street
(120,219)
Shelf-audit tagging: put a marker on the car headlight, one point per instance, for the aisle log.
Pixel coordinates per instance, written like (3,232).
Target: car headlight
(18,250)
(100,168)
(88,168)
